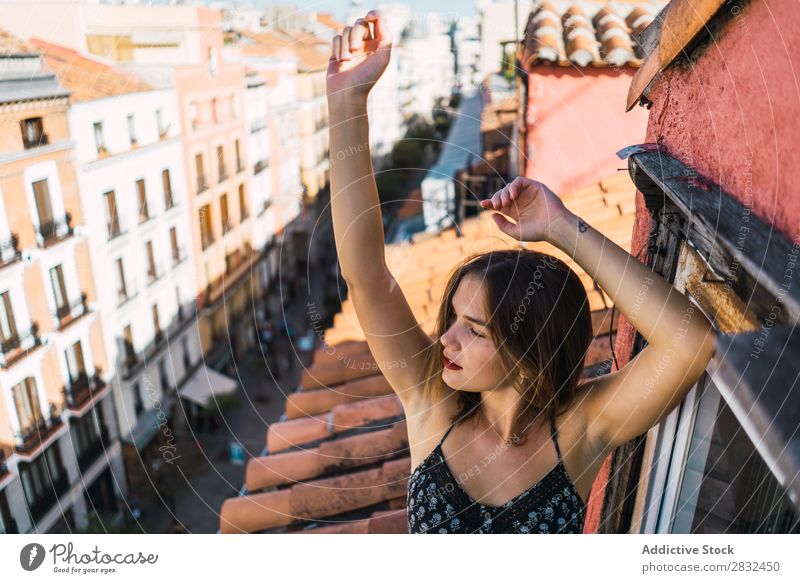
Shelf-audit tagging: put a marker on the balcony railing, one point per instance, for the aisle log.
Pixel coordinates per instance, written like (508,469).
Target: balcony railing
(29,438)
(202,184)
(18,345)
(71,311)
(223,174)
(131,362)
(9,250)
(82,390)
(154,273)
(115,228)
(260,166)
(94,450)
(41,140)
(239,167)
(178,256)
(52,231)
(50,494)
(126,295)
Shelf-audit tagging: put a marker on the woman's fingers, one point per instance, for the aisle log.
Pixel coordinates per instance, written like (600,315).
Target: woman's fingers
(382,33)
(345,54)
(359,33)
(336,50)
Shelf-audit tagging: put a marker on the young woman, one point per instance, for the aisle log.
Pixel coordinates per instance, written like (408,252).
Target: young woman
(504,434)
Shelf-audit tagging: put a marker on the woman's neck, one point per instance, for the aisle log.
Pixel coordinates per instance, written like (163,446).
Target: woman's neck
(503,409)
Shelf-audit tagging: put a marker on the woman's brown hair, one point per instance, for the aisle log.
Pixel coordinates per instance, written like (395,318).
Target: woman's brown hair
(539,319)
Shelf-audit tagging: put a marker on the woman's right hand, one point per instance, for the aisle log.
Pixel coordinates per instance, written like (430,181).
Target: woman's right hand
(358,57)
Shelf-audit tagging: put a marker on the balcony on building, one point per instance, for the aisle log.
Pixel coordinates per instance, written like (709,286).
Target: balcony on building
(18,345)
(54,230)
(9,250)
(70,311)
(85,387)
(29,438)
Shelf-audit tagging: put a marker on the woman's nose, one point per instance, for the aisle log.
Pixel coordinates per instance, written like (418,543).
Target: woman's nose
(448,339)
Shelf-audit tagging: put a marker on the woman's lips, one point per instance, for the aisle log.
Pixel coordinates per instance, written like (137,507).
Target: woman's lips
(450,364)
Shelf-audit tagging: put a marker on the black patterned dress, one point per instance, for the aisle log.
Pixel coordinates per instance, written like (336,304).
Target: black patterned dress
(438,504)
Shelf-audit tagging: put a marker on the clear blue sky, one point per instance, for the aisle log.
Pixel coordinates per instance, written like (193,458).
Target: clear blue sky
(339,7)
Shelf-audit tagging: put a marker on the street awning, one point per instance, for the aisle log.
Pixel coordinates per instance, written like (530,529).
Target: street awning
(205,384)
(149,423)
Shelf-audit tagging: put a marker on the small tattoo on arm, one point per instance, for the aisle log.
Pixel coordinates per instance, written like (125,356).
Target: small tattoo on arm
(582,227)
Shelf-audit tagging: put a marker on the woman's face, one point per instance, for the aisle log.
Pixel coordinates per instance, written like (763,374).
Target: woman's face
(467,343)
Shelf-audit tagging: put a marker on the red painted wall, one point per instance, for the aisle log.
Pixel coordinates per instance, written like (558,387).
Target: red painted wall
(732,116)
(576,122)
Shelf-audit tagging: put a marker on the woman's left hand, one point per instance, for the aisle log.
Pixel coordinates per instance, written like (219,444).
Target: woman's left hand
(531,204)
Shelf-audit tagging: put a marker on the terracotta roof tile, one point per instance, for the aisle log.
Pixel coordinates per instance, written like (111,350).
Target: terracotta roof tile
(320,400)
(331,456)
(306,430)
(381,522)
(88,78)
(586,34)
(349,367)
(316,499)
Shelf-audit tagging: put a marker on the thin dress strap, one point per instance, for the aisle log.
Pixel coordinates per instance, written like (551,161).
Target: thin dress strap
(446,433)
(554,436)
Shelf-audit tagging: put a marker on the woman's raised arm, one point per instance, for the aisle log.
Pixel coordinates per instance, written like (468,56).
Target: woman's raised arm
(358,58)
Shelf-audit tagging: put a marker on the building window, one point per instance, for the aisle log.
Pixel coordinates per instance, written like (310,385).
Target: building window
(113,225)
(59,287)
(26,402)
(132,129)
(194,115)
(33,132)
(223,172)
(8,324)
(163,377)
(176,252)
(162,129)
(206,235)
(200,172)
(138,404)
(187,355)
(157,332)
(43,480)
(166,182)
(76,368)
(152,271)
(122,290)
(237,148)
(44,209)
(144,211)
(213,61)
(99,139)
(726,487)
(243,210)
(127,342)
(214,110)
(223,212)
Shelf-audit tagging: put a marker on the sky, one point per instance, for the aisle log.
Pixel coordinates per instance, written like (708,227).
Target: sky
(339,7)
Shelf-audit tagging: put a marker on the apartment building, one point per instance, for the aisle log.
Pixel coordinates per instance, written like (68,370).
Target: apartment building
(60,454)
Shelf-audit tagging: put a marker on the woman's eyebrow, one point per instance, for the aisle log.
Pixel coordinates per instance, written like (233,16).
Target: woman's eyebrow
(470,318)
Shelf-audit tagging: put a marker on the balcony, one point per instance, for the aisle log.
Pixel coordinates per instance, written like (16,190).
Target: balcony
(125,295)
(94,450)
(202,184)
(239,167)
(115,228)
(9,250)
(82,390)
(163,132)
(53,231)
(131,363)
(178,256)
(259,166)
(237,265)
(40,140)
(28,439)
(50,494)
(19,345)
(154,273)
(223,174)
(264,207)
(70,312)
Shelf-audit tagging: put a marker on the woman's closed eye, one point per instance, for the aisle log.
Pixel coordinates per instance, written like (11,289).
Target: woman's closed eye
(474,333)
